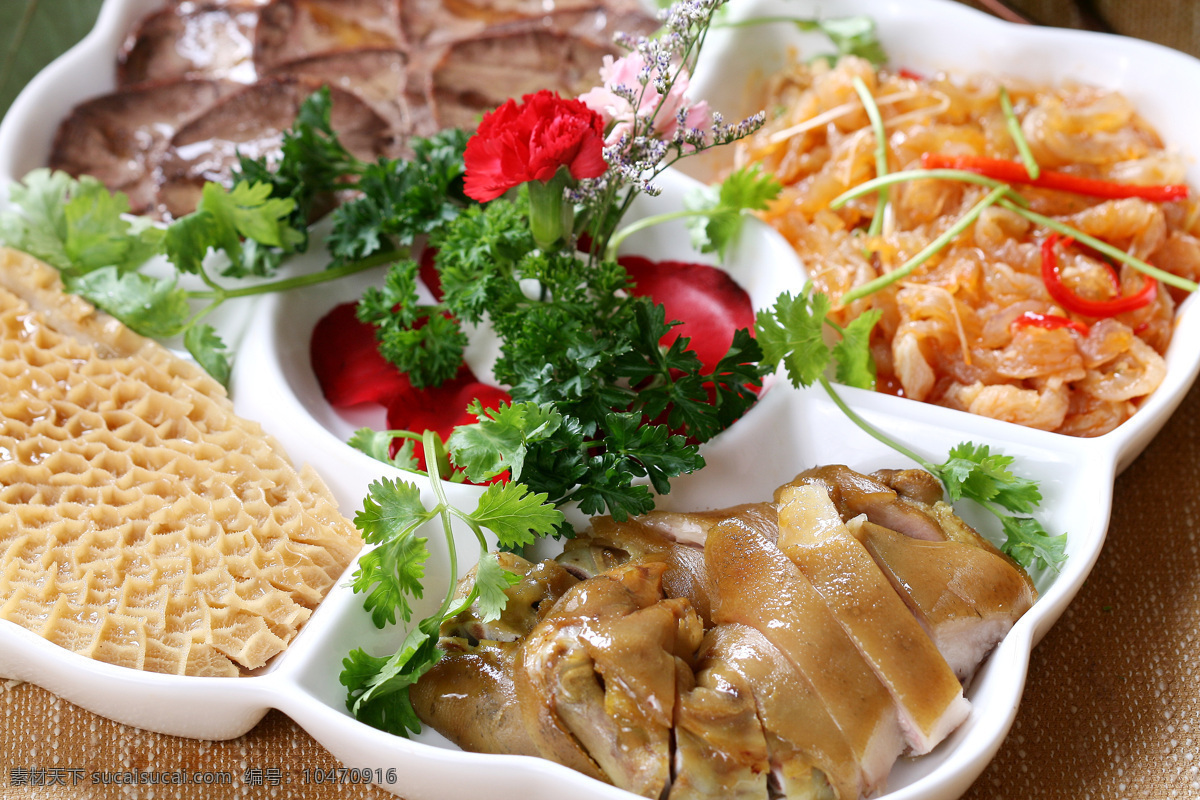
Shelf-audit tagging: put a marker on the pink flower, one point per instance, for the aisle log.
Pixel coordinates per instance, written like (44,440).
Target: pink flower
(531,141)
(625,72)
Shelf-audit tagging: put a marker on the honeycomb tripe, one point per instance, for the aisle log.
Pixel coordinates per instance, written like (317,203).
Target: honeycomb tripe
(142,522)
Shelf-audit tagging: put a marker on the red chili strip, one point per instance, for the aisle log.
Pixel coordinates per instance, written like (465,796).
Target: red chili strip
(1072,302)
(1014,172)
(1049,322)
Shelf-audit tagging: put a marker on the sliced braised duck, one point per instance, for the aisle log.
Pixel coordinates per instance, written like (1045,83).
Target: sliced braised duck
(924,687)
(290,30)
(251,122)
(120,137)
(209,40)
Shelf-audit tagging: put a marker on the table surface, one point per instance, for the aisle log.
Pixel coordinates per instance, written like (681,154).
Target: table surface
(1111,706)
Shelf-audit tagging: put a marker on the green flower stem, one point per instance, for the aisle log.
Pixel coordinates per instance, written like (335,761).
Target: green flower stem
(929,250)
(1104,247)
(881,162)
(551,218)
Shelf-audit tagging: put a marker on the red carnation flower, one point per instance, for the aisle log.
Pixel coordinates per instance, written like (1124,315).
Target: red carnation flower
(530,141)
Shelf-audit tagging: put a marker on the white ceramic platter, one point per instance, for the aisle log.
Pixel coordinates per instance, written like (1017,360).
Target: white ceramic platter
(787,432)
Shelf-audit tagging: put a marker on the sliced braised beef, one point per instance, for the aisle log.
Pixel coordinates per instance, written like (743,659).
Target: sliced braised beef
(119,137)
(379,77)
(479,74)
(251,121)
(205,40)
(290,30)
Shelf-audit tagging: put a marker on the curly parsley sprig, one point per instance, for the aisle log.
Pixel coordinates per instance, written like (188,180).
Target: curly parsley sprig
(791,333)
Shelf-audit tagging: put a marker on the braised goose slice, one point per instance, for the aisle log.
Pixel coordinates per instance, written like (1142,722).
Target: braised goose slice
(805,752)
(965,595)
(596,680)
(720,748)
(758,586)
(927,693)
(854,493)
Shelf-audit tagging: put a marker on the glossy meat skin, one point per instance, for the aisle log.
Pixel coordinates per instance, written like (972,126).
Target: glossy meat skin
(789,649)
(758,586)
(891,640)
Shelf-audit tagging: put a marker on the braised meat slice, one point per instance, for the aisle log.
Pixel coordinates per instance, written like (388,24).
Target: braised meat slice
(205,40)
(854,493)
(927,693)
(759,586)
(378,76)
(289,30)
(477,75)
(251,122)
(965,595)
(675,537)
(119,138)
(601,670)
(720,748)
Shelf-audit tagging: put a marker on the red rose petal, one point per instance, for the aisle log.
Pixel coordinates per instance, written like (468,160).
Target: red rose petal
(346,360)
(705,299)
(442,408)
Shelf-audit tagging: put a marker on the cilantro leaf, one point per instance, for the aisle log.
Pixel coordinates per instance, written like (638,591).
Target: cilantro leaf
(377,687)
(1027,541)
(723,204)
(972,471)
(75,225)
(490,582)
(222,218)
(154,307)
(791,333)
(391,572)
(852,352)
(209,351)
(378,445)
(499,440)
(515,515)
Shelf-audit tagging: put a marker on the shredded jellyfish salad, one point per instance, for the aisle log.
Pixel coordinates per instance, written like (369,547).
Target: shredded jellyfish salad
(1026,244)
